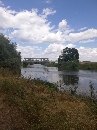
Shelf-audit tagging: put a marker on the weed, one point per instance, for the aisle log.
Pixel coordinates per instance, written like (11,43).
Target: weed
(27,104)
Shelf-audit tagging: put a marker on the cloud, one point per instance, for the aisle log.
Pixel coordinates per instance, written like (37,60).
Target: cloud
(32,28)
(54,50)
(29,51)
(62,25)
(52,37)
(35,27)
(87,41)
(87,54)
(48,11)
(81,29)
(48,1)
(75,37)
(1,4)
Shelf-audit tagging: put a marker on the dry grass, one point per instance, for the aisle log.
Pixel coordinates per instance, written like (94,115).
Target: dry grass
(35,105)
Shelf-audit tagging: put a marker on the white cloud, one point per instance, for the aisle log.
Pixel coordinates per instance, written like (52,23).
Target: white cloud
(29,51)
(32,28)
(35,27)
(87,41)
(48,11)
(62,25)
(81,29)
(75,37)
(87,54)
(48,1)
(54,48)
(52,37)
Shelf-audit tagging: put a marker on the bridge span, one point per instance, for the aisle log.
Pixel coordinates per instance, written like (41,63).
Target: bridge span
(36,60)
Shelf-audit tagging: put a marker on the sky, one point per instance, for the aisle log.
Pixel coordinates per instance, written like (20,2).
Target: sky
(43,28)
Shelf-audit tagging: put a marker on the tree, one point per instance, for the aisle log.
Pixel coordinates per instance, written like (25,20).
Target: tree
(9,57)
(69,58)
(69,54)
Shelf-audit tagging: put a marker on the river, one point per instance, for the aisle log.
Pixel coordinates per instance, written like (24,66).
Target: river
(68,80)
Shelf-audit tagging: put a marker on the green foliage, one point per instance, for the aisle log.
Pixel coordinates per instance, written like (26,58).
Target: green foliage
(9,57)
(69,54)
(72,65)
(52,64)
(25,64)
(88,66)
(49,85)
(69,59)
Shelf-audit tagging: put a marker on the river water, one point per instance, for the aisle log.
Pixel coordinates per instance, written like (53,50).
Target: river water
(67,80)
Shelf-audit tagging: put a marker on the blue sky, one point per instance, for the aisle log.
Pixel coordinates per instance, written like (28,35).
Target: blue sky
(43,28)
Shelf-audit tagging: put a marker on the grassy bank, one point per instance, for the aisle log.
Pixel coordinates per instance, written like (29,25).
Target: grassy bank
(70,66)
(27,104)
(78,66)
(88,66)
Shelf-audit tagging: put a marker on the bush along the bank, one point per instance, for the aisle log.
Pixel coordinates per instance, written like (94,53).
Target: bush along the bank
(88,66)
(73,65)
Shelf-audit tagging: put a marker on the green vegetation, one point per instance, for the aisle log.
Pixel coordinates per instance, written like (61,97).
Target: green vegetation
(72,65)
(69,54)
(48,64)
(77,66)
(51,64)
(88,66)
(27,104)
(69,59)
(9,57)
(25,64)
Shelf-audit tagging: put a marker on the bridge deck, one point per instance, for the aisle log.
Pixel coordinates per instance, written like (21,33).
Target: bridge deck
(37,59)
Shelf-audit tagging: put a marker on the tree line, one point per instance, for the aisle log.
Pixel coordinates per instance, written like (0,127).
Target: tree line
(9,56)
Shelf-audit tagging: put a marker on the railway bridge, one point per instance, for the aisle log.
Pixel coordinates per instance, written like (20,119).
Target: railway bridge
(36,60)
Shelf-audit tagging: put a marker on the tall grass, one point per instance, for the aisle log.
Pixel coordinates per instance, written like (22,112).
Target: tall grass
(35,105)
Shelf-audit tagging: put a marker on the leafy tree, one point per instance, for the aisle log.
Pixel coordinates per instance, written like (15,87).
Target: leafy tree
(9,57)
(69,54)
(69,58)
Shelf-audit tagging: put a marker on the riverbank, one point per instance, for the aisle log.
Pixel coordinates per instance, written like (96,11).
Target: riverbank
(36,105)
(77,66)
(70,66)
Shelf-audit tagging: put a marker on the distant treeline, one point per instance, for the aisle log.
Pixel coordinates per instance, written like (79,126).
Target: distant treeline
(69,65)
(88,66)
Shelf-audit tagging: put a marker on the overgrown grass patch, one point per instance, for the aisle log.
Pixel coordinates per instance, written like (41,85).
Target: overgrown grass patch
(36,105)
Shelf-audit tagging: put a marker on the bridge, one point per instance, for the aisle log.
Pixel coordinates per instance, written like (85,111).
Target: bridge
(36,60)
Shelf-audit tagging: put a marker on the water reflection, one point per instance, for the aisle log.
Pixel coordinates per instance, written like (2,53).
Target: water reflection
(70,79)
(77,81)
